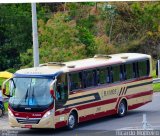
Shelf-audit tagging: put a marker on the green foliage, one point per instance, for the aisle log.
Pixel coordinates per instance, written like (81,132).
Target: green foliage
(6,106)
(81,30)
(156,87)
(58,41)
(15,33)
(87,22)
(148,14)
(88,3)
(1,81)
(103,47)
(87,39)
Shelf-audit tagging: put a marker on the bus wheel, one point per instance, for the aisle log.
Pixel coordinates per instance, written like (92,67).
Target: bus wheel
(72,121)
(122,109)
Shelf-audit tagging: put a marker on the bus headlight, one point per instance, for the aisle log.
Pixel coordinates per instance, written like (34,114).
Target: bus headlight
(10,113)
(48,113)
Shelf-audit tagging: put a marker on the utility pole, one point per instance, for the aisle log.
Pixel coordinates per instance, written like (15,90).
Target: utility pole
(35,36)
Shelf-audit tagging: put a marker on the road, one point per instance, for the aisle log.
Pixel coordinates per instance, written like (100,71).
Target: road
(106,124)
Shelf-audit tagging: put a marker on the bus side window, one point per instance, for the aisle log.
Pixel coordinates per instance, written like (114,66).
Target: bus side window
(143,67)
(122,73)
(108,75)
(129,71)
(116,73)
(148,68)
(75,81)
(62,87)
(90,78)
(111,74)
(135,70)
(102,76)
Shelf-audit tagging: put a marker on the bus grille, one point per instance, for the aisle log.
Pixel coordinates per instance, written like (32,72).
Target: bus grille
(28,120)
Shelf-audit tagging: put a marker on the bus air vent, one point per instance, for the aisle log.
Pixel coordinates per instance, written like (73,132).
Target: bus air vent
(124,57)
(52,64)
(41,65)
(71,66)
(102,56)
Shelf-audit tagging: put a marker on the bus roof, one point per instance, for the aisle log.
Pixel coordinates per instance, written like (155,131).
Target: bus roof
(54,68)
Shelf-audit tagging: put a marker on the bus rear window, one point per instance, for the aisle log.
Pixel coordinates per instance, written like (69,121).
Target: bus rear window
(143,68)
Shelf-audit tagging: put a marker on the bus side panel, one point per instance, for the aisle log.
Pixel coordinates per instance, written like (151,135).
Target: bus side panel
(137,93)
(97,115)
(140,101)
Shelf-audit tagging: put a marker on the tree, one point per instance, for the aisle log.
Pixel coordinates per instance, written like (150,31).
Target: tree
(15,34)
(58,41)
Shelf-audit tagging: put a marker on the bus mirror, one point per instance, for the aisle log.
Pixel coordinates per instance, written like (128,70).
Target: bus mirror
(4,91)
(52,86)
(52,94)
(4,87)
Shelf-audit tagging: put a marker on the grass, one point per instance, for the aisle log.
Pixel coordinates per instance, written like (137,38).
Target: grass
(6,106)
(156,87)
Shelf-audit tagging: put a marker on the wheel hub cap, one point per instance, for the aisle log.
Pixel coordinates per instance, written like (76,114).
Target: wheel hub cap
(122,108)
(71,120)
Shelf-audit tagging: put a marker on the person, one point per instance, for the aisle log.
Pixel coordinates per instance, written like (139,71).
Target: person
(1,96)
(1,102)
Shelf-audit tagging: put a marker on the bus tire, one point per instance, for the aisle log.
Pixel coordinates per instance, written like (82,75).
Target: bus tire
(72,121)
(122,109)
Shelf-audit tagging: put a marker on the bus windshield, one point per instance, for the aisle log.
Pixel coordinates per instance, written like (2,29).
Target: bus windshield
(30,92)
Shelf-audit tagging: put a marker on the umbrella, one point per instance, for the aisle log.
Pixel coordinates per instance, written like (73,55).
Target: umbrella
(5,74)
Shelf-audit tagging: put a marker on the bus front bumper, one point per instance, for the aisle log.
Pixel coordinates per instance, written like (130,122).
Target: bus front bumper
(44,122)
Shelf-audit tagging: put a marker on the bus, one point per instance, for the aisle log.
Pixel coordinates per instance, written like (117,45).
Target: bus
(58,94)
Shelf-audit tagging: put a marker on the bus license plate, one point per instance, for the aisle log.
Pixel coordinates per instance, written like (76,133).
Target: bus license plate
(28,126)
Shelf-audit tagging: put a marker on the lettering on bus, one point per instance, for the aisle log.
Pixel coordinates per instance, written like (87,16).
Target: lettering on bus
(110,92)
(98,109)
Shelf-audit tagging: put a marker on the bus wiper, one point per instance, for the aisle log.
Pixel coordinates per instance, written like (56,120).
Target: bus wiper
(26,95)
(14,83)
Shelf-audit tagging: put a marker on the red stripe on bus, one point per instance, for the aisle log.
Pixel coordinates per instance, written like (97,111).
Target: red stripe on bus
(29,114)
(61,124)
(81,107)
(100,114)
(99,103)
(139,94)
(97,115)
(85,106)
(137,105)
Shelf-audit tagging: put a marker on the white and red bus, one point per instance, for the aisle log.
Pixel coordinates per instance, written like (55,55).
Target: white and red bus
(57,94)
